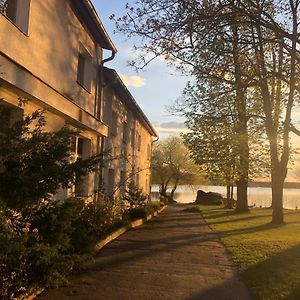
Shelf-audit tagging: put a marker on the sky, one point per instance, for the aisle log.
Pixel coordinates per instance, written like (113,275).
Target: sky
(159,85)
(156,87)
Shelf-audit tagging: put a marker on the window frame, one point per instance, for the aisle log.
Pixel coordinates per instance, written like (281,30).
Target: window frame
(17,21)
(84,69)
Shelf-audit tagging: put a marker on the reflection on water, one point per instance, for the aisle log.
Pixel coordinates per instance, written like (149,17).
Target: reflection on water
(257,196)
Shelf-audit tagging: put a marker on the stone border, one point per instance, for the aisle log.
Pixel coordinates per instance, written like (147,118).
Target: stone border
(122,230)
(109,239)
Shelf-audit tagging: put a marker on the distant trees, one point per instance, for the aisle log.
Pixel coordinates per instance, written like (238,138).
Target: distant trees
(249,46)
(172,166)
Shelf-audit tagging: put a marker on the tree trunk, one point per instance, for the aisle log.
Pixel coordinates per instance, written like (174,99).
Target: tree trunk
(242,129)
(229,200)
(277,199)
(231,192)
(163,190)
(242,203)
(171,197)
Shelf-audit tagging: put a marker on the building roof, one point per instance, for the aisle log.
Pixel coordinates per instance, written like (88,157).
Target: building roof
(88,15)
(125,96)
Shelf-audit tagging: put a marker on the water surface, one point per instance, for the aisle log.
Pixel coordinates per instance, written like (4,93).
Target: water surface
(257,196)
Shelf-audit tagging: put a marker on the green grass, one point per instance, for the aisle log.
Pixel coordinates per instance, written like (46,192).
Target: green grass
(268,256)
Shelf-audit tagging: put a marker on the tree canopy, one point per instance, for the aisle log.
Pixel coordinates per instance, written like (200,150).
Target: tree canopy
(249,46)
(172,166)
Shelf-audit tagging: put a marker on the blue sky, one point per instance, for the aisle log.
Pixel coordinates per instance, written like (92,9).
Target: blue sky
(157,86)
(154,88)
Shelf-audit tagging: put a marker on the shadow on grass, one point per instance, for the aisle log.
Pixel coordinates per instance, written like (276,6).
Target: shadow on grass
(245,216)
(252,229)
(277,277)
(252,217)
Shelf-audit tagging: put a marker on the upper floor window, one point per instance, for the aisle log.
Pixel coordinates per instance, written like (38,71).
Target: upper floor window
(125,131)
(139,142)
(17,11)
(114,123)
(132,137)
(84,69)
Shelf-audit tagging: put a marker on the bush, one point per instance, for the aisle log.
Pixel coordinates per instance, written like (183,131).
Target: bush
(39,247)
(152,207)
(138,213)
(134,196)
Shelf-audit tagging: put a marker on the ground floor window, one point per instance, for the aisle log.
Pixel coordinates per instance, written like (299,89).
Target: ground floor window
(81,149)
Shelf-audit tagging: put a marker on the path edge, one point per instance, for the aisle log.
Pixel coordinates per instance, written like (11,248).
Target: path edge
(133,224)
(111,237)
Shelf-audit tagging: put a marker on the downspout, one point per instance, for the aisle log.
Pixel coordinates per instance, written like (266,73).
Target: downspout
(100,140)
(154,141)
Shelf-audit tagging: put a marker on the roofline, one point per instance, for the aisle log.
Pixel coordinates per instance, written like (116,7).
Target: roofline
(140,114)
(87,11)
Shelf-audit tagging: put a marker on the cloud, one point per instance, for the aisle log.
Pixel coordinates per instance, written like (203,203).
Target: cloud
(170,129)
(173,125)
(133,81)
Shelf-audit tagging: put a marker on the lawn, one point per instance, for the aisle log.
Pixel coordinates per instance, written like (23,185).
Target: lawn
(268,256)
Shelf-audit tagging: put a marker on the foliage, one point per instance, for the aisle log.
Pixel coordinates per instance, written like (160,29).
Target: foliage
(249,46)
(260,248)
(42,240)
(34,164)
(172,165)
(41,246)
(134,196)
(143,212)
(138,213)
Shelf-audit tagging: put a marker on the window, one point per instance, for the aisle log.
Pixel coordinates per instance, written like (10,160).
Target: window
(125,136)
(122,181)
(17,11)
(139,141)
(84,69)
(111,181)
(114,123)
(132,137)
(82,150)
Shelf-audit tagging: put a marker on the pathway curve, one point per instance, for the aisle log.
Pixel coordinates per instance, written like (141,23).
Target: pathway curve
(174,256)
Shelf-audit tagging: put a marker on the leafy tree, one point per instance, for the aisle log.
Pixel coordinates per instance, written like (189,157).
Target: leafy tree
(213,136)
(192,36)
(34,164)
(249,45)
(172,166)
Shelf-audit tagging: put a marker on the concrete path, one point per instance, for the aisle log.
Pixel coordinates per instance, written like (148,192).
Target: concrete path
(174,256)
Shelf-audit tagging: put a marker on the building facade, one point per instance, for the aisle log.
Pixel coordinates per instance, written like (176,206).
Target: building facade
(51,54)
(129,138)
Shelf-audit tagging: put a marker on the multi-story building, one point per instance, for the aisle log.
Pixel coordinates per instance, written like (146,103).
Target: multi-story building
(129,140)
(51,53)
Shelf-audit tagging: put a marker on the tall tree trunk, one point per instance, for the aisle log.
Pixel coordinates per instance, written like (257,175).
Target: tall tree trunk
(278,162)
(231,192)
(242,130)
(229,200)
(242,202)
(277,196)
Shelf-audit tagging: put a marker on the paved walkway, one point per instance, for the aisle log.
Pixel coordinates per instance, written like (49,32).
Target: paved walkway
(174,256)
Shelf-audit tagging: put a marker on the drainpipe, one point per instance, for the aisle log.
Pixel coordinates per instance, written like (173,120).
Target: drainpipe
(100,140)
(101,84)
(154,141)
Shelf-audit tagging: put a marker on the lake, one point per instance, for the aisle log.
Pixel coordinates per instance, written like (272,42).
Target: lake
(257,196)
